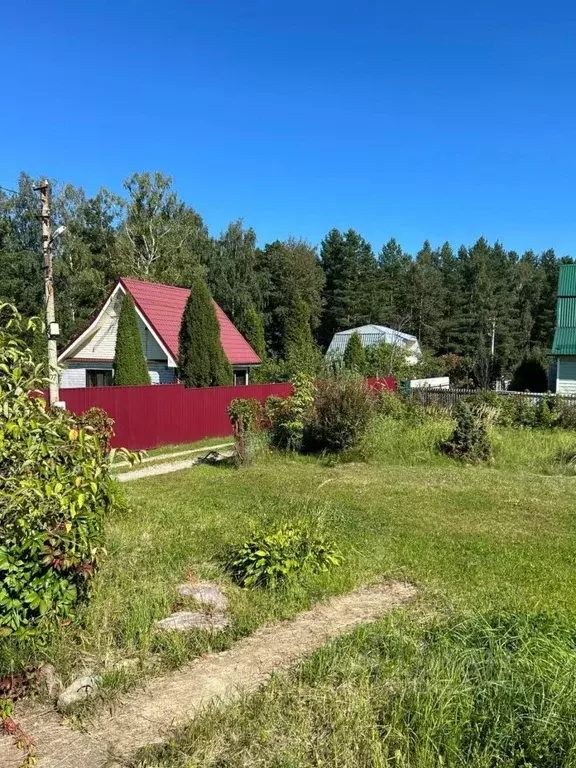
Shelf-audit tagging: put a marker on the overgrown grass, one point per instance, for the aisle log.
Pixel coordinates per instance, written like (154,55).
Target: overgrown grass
(489,539)
(483,691)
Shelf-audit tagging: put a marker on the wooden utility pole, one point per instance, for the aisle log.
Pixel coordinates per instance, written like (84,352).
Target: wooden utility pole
(51,325)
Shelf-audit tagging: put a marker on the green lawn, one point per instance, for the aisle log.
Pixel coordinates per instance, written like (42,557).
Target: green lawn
(478,541)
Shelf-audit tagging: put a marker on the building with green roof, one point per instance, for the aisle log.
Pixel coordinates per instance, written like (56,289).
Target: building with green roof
(564,346)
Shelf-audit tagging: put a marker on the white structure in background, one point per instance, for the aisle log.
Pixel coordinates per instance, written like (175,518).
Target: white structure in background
(438,382)
(375,334)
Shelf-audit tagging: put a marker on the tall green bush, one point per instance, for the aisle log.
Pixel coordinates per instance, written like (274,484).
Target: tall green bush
(301,353)
(343,410)
(354,354)
(55,492)
(129,362)
(252,327)
(202,362)
(289,417)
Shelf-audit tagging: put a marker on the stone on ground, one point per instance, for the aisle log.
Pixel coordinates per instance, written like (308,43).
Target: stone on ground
(205,592)
(50,681)
(181,621)
(80,689)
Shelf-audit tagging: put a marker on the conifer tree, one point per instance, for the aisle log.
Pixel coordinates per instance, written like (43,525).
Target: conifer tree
(252,327)
(300,350)
(354,354)
(202,362)
(129,362)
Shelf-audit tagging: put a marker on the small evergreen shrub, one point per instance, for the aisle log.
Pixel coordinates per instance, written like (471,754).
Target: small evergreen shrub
(354,354)
(470,440)
(129,362)
(343,410)
(270,558)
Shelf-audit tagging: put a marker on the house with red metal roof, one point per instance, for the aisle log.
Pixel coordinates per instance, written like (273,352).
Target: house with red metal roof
(88,359)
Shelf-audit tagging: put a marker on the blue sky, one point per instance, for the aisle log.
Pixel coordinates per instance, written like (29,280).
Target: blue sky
(415,120)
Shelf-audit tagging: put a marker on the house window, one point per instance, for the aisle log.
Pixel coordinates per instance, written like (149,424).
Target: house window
(241,377)
(98,378)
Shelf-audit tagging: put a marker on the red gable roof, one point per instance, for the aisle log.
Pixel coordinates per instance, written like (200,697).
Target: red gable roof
(163,306)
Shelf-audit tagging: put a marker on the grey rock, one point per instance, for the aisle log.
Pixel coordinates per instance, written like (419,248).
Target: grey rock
(50,681)
(181,621)
(206,593)
(80,689)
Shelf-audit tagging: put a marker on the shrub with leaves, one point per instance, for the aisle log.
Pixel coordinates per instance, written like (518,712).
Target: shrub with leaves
(269,558)
(566,413)
(470,440)
(289,417)
(55,491)
(245,415)
(343,410)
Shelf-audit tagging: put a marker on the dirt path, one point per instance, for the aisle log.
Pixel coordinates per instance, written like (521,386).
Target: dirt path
(147,717)
(165,467)
(174,454)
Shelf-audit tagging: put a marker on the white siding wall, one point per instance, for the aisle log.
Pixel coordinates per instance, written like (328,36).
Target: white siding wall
(102,343)
(566,376)
(152,350)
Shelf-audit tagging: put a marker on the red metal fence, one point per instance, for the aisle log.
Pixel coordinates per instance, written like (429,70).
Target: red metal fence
(165,414)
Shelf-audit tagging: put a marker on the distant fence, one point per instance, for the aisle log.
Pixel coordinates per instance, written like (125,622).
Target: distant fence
(447,398)
(151,416)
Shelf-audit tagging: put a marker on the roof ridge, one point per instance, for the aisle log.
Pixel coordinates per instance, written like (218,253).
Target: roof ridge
(150,282)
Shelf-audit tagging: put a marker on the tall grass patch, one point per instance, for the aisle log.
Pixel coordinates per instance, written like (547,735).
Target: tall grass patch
(481,691)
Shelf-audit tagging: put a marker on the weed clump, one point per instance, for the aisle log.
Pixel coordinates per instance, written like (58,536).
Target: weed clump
(269,558)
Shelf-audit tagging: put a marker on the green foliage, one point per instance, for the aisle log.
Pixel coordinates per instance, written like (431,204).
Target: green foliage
(470,440)
(246,417)
(270,558)
(252,327)
(129,362)
(159,237)
(289,417)
(202,360)
(288,269)
(301,353)
(390,404)
(351,290)
(55,492)
(232,279)
(529,376)
(97,421)
(354,354)
(388,360)
(343,410)
(482,689)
